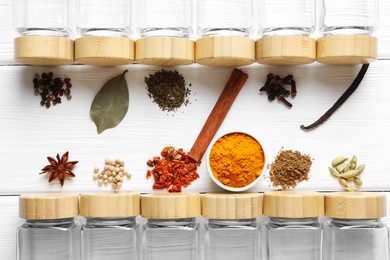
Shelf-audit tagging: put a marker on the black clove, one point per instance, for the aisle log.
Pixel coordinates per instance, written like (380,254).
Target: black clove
(274,87)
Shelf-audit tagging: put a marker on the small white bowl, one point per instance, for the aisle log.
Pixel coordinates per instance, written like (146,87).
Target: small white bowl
(220,184)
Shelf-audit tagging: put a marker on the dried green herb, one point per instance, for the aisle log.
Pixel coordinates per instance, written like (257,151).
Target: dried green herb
(110,104)
(168,90)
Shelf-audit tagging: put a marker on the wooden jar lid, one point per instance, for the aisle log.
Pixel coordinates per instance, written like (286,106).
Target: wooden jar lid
(355,205)
(347,49)
(285,50)
(170,206)
(164,51)
(106,205)
(225,51)
(104,51)
(290,204)
(232,206)
(48,206)
(44,50)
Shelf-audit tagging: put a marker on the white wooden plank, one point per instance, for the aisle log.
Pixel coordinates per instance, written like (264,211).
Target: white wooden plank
(7,33)
(29,132)
(9,222)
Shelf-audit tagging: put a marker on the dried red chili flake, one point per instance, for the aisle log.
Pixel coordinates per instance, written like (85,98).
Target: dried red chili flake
(173,170)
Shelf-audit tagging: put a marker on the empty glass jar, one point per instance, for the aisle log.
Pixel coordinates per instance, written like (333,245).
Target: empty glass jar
(224,28)
(50,231)
(104,27)
(232,226)
(351,17)
(43,26)
(165,28)
(110,231)
(347,27)
(171,229)
(293,231)
(355,230)
(287,27)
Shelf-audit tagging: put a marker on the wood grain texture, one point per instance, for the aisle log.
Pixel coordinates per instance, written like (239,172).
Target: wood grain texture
(232,206)
(285,50)
(104,51)
(29,133)
(347,49)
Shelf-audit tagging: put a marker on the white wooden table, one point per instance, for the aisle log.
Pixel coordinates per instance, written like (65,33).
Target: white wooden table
(29,133)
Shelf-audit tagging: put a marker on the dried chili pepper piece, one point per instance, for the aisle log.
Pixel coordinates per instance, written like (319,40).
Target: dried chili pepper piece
(173,170)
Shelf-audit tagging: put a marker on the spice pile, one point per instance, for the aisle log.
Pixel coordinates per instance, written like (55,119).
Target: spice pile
(168,90)
(347,172)
(113,174)
(236,160)
(173,171)
(59,168)
(289,168)
(274,87)
(51,89)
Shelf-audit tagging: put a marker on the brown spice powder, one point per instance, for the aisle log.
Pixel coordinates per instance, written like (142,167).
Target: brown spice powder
(289,168)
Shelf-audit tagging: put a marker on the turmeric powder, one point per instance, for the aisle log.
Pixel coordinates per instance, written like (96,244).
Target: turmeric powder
(236,160)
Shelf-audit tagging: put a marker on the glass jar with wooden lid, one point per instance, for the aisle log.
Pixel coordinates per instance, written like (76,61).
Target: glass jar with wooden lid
(50,231)
(110,231)
(293,230)
(43,26)
(232,225)
(165,28)
(286,28)
(171,229)
(347,27)
(224,28)
(104,27)
(355,229)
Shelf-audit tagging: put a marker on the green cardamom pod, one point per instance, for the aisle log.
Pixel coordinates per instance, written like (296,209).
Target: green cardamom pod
(361,167)
(350,174)
(339,160)
(358,182)
(340,168)
(351,189)
(347,167)
(343,182)
(353,163)
(334,172)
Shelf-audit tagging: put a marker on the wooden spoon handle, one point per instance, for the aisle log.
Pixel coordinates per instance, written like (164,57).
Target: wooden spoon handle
(229,93)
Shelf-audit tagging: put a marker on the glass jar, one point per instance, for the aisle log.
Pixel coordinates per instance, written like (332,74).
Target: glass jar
(347,27)
(224,28)
(50,231)
(293,231)
(232,226)
(104,27)
(170,18)
(110,231)
(43,26)
(165,28)
(287,27)
(353,17)
(355,230)
(171,229)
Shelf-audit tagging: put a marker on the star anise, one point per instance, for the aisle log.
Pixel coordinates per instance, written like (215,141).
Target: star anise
(59,168)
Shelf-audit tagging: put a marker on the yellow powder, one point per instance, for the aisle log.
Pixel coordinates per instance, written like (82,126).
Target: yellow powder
(236,160)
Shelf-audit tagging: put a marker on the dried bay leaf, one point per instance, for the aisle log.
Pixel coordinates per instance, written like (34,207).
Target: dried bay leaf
(110,104)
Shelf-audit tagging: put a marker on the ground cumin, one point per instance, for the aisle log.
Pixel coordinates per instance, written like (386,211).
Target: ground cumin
(236,160)
(289,168)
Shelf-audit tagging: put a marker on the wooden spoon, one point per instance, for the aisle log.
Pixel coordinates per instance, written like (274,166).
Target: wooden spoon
(229,93)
